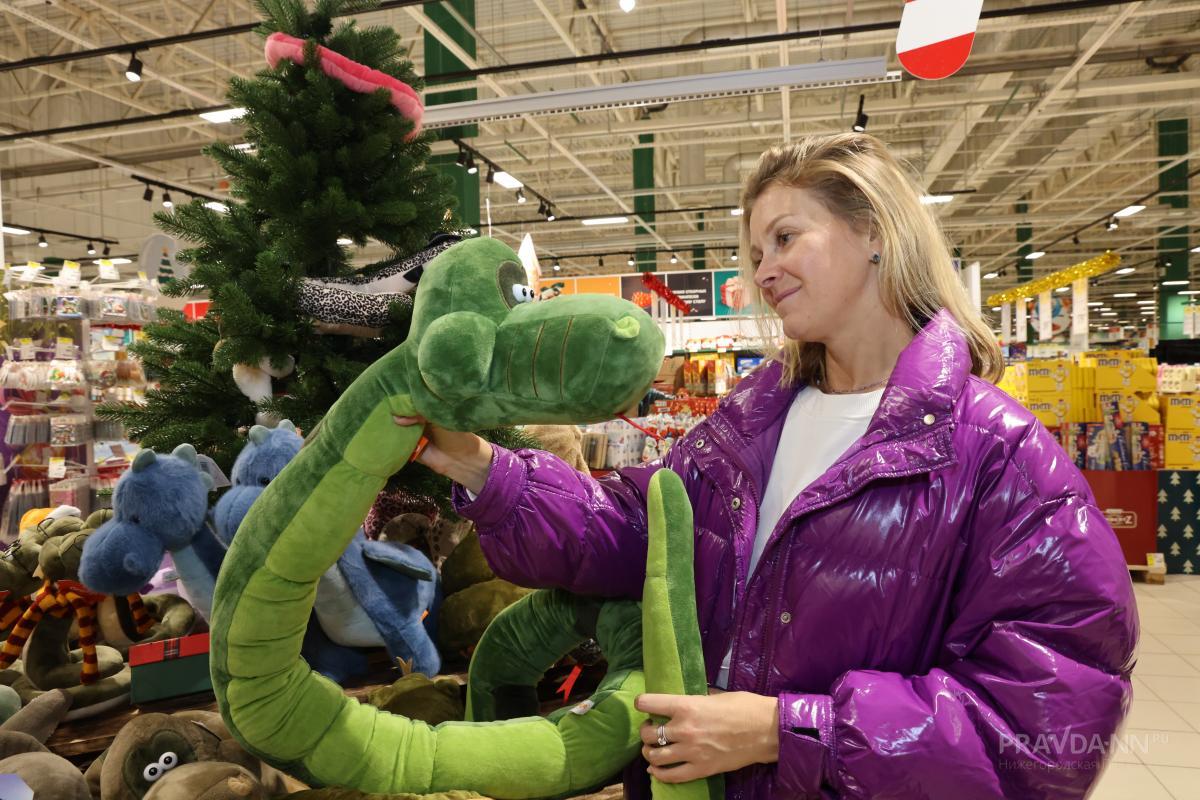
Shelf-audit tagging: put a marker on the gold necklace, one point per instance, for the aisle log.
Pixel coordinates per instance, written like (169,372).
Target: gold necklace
(825,387)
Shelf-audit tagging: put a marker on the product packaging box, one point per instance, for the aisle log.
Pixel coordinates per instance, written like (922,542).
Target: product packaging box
(1050,375)
(1133,407)
(1075,441)
(169,668)
(1127,374)
(1182,450)
(1098,454)
(1146,445)
(1181,411)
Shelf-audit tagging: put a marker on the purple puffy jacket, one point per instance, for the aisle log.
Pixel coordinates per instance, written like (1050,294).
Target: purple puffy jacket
(944,614)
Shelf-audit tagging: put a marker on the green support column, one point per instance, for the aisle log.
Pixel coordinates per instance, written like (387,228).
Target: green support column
(1024,236)
(698,260)
(1173,246)
(643,204)
(439,60)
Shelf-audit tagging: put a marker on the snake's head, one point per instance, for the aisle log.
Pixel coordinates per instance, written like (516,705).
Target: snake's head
(489,355)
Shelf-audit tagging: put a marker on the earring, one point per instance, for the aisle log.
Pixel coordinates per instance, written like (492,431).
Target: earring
(876,258)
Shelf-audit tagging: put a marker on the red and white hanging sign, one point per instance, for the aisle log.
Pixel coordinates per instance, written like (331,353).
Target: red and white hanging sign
(936,36)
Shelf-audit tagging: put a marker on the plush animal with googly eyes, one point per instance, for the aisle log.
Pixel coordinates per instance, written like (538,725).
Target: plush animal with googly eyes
(152,746)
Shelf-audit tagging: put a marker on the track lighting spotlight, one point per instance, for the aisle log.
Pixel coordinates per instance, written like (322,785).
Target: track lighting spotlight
(91,249)
(674,258)
(630,262)
(601,262)
(557,266)
(1075,240)
(734,257)
(133,72)
(106,251)
(521,196)
(491,176)
(167,199)
(471,168)
(860,121)
(42,241)
(542,208)
(462,158)
(1113,223)
(148,195)
(550,215)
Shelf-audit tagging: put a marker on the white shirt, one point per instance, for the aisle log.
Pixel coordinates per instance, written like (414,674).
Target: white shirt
(819,428)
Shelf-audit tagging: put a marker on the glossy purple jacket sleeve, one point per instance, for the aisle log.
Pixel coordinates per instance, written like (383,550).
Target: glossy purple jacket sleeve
(544,524)
(1030,690)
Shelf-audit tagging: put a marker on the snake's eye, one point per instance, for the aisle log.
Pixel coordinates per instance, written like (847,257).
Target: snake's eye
(153,772)
(168,760)
(522,293)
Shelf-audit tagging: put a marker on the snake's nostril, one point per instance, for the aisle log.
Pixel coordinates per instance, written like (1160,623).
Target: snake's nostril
(626,327)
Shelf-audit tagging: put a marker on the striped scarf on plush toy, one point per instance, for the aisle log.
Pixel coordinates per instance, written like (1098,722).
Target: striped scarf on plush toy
(58,600)
(11,608)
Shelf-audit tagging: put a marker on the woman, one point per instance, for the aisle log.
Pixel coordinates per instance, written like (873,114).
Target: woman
(904,585)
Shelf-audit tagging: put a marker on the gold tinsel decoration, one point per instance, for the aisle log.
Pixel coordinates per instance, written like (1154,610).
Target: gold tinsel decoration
(1064,277)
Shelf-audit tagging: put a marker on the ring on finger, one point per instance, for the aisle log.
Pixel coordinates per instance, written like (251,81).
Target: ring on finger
(663,741)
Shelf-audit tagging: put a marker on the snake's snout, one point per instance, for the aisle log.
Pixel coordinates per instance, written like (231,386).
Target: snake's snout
(627,327)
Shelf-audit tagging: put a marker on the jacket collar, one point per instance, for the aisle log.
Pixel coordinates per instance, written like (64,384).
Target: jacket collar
(929,374)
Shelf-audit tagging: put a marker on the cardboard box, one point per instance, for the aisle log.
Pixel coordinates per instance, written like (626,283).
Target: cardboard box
(1181,411)
(1133,407)
(1126,375)
(1099,456)
(1052,410)
(1075,442)
(1182,450)
(169,668)
(1050,375)
(1146,446)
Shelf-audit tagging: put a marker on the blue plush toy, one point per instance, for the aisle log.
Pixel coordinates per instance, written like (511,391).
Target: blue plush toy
(375,596)
(160,505)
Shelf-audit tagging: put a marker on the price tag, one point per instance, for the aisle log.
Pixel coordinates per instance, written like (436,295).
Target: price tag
(142,277)
(30,270)
(64,347)
(108,271)
(28,350)
(69,274)
(58,467)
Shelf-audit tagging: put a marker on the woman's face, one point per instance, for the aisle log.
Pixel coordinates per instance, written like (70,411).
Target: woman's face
(814,270)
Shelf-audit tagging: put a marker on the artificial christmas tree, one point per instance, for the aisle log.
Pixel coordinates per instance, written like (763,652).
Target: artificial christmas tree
(322,161)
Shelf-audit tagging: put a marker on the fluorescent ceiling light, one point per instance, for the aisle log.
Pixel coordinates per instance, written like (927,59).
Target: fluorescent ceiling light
(1145,302)
(1191,291)
(15,231)
(1125,294)
(628,5)
(1096,304)
(1105,308)
(1129,211)
(995,308)
(1062,289)
(112,261)
(1175,283)
(935,199)
(1196,249)
(342,240)
(1126,270)
(1035,255)
(1108,313)
(991,276)
(605,220)
(736,212)
(508,181)
(1148,312)
(220,208)
(820,74)
(224,115)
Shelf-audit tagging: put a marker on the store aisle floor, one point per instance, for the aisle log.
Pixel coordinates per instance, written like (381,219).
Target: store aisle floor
(1158,757)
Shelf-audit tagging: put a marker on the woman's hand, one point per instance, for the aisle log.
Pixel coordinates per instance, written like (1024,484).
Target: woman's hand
(709,735)
(464,458)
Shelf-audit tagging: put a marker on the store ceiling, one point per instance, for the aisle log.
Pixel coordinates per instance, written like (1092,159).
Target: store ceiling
(1058,110)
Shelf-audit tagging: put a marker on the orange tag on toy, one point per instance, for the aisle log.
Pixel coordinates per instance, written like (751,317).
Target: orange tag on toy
(422,443)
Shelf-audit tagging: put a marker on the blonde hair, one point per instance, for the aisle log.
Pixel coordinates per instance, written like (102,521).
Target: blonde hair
(857,179)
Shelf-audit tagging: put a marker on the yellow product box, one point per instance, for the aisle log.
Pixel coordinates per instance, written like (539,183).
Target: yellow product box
(1086,376)
(1133,407)
(1053,409)
(1182,449)
(1126,375)
(1181,411)
(1050,375)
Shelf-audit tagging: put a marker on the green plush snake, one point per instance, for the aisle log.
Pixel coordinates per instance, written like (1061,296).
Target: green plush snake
(477,357)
